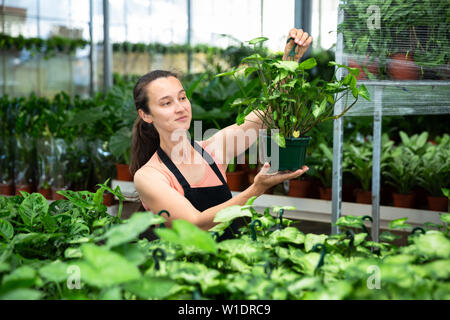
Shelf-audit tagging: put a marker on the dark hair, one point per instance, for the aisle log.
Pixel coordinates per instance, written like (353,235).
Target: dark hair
(145,136)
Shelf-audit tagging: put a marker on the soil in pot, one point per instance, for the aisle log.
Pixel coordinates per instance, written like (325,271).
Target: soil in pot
(363,196)
(300,188)
(235,180)
(403,67)
(47,193)
(7,189)
(123,172)
(437,203)
(404,200)
(325,193)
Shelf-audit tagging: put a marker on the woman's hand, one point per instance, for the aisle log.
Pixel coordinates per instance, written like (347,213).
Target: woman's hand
(264,180)
(301,39)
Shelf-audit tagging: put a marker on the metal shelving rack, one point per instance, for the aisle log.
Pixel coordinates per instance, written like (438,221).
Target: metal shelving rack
(338,135)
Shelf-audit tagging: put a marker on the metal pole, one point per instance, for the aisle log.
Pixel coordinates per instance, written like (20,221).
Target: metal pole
(338,141)
(297,14)
(3,55)
(189,53)
(303,11)
(107,49)
(91,51)
(376,163)
(262,18)
(38,56)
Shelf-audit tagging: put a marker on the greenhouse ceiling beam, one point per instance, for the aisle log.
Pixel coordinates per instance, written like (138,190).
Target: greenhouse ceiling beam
(107,49)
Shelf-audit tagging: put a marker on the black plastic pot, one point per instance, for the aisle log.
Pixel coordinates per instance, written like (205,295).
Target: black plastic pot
(293,156)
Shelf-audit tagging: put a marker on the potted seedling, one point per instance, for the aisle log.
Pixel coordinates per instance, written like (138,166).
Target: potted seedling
(120,146)
(322,169)
(235,178)
(434,175)
(289,104)
(401,172)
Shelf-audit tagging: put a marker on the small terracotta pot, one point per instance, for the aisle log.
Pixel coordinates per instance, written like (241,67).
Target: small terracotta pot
(123,172)
(7,189)
(363,196)
(325,193)
(403,200)
(235,180)
(299,188)
(23,187)
(47,193)
(57,196)
(372,68)
(108,199)
(437,203)
(402,67)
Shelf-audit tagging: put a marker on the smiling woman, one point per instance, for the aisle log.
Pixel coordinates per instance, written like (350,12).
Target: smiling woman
(177,174)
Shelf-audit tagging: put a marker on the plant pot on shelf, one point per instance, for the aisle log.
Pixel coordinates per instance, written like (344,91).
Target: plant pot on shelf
(403,200)
(403,67)
(56,196)
(108,198)
(7,189)
(438,203)
(47,193)
(235,180)
(292,157)
(325,193)
(23,187)
(123,172)
(372,67)
(299,188)
(363,196)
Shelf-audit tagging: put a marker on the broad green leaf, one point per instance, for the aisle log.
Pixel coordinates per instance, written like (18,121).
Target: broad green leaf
(288,235)
(279,139)
(308,64)
(388,236)
(31,207)
(290,66)
(241,248)
(189,236)
(230,213)
(312,239)
(22,277)
(399,224)
(71,253)
(114,293)
(318,110)
(132,252)
(151,287)
(22,294)
(258,40)
(250,201)
(220,227)
(55,271)
(6,229)
(359,238)
(132,228)
(445,217)
(350,222)
(101,267)
(363,92)
(249,70)
(433,244)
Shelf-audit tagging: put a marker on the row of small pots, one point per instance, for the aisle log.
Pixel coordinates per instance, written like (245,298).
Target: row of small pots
(400,67)
(49,194)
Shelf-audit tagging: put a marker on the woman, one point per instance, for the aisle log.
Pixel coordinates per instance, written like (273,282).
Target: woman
(194,188)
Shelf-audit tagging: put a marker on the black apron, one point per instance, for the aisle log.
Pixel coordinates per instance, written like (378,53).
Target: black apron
(203,198)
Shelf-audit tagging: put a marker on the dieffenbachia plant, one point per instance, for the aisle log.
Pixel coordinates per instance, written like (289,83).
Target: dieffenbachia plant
(288,100)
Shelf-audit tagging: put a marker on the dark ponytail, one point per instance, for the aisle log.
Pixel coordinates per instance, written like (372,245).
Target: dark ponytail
(145,140)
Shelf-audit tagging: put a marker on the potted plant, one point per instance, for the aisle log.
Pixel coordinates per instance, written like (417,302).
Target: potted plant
(434,174)
(401,172)
(120,146)
(235,178)
(6,151)
(103,166)
(290,104)
(322,169)
(44,153)
(59,167)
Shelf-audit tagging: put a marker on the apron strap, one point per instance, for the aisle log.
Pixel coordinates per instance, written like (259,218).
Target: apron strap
(209,160)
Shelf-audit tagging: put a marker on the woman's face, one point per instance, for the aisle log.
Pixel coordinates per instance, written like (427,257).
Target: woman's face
(170,109)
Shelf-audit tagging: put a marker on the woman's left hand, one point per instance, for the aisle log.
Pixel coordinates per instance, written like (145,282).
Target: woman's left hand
(301,39)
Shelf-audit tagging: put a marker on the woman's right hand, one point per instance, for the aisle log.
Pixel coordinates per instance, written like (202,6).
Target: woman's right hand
(264,180)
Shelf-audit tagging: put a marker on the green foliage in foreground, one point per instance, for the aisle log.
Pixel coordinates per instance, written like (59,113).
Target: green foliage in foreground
(72,249)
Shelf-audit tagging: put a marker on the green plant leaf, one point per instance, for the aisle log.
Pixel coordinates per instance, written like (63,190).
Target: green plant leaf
(308,64)
(151,287)
(399,224)
(231,213)
(6,229)
(189,236)
(433,244)
(318,110)
(363,92)
(31,207)
(132,228)
(312,239)
(55,271)
(103,268)
(258,40)
(22,294)
(445,217)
